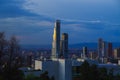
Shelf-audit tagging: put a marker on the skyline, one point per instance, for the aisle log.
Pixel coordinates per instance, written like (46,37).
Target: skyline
(32,21)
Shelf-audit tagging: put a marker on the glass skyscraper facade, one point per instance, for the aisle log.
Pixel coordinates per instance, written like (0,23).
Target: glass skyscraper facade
(56,40)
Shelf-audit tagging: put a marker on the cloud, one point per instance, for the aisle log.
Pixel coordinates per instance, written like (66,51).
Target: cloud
(84,25)
(29,30)
(39,31)
(13,8)
(91,24)
(90,31)
(32,21)
(76,9)
(24,25)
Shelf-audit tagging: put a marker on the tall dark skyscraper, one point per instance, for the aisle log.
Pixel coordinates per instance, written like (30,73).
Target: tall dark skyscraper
(29,60)
(64,45)
(109,50)
(100,45)
(56,40)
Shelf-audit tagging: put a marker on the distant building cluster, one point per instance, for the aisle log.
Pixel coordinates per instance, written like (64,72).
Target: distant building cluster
(103,54)
(106,53)
(60,61)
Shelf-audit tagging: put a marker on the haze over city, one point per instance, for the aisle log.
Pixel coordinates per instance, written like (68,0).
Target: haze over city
(59,40)
(32,21)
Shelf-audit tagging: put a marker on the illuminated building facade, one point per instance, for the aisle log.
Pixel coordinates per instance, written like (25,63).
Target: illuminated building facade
(117,53)
(56,40)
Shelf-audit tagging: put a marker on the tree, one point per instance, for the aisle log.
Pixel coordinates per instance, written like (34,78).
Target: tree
(30,77)
(103,74)
(94,72)
(13,51)
(85,71)
(52,78)
(110,74)
(11,70)
(117,77)
(88,71)
(44,76)
(9,50)
(3,45)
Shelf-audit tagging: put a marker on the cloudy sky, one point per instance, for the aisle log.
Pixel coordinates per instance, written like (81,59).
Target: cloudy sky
(32,21)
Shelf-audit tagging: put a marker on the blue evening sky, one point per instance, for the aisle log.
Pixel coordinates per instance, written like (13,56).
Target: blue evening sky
(32,21)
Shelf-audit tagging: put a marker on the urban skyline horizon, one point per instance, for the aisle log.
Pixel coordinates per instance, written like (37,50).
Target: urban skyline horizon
(59,39)
(71,46)
(85,21)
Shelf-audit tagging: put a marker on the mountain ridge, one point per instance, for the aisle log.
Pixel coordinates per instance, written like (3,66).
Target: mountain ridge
(76,45)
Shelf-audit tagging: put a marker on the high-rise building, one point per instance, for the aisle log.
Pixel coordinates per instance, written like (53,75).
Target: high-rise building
(64,46)
(85,52)
(29,60)
(109,50)
(93,55)
(100,41)
(104,51)
(56,40)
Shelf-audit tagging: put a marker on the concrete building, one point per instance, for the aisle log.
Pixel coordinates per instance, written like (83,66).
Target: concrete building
(64,46)
(117,53)
(66,69)
(93,55)
(56,40)
(59,68)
